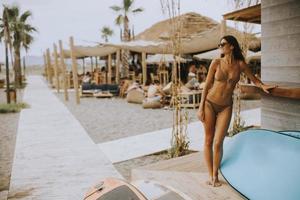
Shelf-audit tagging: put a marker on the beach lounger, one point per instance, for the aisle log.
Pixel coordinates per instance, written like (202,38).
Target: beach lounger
(104,94)
(88,89)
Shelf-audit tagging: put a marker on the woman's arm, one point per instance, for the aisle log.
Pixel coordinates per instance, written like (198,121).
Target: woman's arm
(254,79)
(209,81)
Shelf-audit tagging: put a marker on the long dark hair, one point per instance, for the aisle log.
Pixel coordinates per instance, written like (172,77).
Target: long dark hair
(237,51)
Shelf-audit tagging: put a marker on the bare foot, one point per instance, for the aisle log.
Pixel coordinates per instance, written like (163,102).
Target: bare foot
(209,182)
(216,182)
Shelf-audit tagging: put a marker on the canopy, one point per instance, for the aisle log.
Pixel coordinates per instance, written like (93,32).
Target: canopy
(151,47)
(167,58)
(87,51)
(209,55)
(82,51)
(254,55)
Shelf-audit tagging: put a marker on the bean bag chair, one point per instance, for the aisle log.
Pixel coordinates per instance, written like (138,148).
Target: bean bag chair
(135,96)
(151,103)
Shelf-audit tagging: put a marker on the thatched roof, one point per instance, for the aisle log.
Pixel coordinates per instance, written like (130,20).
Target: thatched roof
(199,33)
(193,24)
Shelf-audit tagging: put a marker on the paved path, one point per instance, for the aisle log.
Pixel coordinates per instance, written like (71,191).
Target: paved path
(54,157)
(149,143)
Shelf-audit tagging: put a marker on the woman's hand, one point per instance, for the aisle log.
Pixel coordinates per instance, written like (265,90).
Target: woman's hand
(266,88)
(200,114)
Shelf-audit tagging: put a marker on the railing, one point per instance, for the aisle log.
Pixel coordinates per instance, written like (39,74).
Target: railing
(280,91)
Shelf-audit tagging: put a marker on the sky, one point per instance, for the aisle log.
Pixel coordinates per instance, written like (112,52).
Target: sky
(83,19)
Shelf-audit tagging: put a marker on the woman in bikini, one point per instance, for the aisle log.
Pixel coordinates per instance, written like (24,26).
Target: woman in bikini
(216,101)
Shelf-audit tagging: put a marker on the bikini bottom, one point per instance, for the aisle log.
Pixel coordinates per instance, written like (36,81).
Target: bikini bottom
(216,107)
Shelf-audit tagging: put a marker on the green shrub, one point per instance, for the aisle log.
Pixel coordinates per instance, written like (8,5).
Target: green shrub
(13,107)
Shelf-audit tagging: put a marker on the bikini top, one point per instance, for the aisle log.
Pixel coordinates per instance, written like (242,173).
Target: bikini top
(222,76)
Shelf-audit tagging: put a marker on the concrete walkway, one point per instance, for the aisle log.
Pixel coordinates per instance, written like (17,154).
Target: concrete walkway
(54,157)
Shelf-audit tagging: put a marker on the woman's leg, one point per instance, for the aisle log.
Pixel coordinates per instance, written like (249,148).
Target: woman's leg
(222,124)
(209,128)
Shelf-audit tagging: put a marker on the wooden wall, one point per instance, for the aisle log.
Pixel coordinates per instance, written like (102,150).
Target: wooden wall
(281,61)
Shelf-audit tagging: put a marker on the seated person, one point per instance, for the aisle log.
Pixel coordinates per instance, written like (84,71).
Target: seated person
(192,83)
(135,85)
(87,78)
(155,91)
(192,71)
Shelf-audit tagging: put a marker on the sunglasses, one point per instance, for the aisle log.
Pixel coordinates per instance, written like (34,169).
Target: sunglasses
(222,44)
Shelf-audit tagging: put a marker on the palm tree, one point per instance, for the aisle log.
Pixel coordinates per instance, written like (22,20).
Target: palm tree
(4,33)
(106,32)
(20,34)
(5,30)
(123,11)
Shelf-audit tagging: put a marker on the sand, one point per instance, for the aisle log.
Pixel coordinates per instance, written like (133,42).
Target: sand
(110,119)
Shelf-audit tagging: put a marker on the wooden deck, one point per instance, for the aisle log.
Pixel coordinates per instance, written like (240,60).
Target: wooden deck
(187,174)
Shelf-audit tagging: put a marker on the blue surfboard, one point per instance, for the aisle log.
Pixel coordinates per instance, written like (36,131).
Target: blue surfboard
(263,165)
(291,133)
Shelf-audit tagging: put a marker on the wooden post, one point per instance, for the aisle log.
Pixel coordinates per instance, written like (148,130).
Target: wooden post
(144,68)
(45,67)
(118,67)
(109,69)
(223,28)
(49,67)
(63,67)
(56,71)
(74,69)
